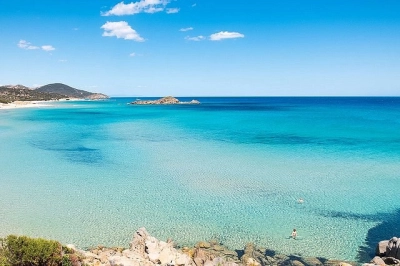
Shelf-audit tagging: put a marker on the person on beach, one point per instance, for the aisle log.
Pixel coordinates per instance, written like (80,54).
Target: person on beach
(294,234)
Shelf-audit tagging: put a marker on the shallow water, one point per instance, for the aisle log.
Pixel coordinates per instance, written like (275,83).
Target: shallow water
(231,168)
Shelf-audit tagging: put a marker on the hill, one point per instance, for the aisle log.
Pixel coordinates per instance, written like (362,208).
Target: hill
(70,92)
(56,91)
(10,94)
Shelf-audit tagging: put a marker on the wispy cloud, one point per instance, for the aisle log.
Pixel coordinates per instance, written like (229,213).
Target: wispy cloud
(172,10)
(132,54)
(142,6)
(225,35)
(196,39)
(48,48)
(186,29)
(28,46)
(122,30)
(194,5)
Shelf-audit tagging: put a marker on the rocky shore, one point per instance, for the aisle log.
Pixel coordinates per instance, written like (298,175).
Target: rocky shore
(146,250)
(164,100)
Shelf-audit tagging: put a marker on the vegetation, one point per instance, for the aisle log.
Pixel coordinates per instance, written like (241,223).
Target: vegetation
(68,91)
(48,92)
(63,89)
(26,251)
(8,95)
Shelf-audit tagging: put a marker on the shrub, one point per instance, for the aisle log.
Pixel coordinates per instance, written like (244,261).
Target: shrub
(25,251)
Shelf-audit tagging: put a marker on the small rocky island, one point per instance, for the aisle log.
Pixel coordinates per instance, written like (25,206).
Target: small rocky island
(164,100)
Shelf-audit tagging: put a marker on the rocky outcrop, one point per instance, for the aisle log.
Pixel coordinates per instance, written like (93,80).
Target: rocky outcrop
(146,250)
(387,253)
(97,96)
(164,100)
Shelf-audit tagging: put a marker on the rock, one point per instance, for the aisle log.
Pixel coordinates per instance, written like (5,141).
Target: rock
(138,244)
(73,247)
(391,260)
(182,259)
(97,96)
(230,253)
(166,256)
(122,261)
(209,263)
(198,261)
(392,249)
(381,248)
(251,262)
(312,262)
(188,251)
(378,261)
(297,263)
(164,100)
(153,256)
(217,248)
(203,244)
(200,255)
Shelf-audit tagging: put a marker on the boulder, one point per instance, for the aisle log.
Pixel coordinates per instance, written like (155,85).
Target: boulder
(138,244)
(381,248)
(378,261)
(392,249)
(203,244)
(312,261)
(391,260)
(167,256)
(297,263)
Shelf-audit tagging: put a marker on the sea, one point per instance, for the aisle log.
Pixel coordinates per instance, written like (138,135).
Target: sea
(231,169)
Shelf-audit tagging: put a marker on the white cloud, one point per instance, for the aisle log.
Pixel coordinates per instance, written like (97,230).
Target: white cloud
(172,10)
(48,48)
(122,30)
(26,45)
(132,54)
(225,35)
(142,6)
(186,29)
(62,60)
(196,39)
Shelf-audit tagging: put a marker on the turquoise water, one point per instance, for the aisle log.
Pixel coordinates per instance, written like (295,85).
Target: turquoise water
(231,169)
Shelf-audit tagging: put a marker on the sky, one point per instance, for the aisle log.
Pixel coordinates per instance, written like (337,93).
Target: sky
(204,47)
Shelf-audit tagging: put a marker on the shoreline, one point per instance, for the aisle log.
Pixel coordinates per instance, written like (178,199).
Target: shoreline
(33,104)
(24,104)
(146,250)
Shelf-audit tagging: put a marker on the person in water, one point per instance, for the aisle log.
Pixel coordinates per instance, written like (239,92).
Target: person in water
(294,234)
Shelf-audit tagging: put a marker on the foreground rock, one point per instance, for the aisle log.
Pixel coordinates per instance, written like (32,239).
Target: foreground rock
(387,253)
(164,100)
(145,250)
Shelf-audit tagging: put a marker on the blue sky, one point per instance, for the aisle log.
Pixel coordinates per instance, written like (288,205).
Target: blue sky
(204,47)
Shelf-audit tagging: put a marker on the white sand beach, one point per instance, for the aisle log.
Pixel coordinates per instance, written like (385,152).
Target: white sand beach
(24,104)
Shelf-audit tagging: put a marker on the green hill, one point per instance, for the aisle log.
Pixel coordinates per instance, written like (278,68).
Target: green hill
(55,91)
(68,91)
(10,94)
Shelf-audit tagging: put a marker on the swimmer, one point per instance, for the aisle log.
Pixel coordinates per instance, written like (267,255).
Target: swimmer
(294,234)
(300,201)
